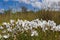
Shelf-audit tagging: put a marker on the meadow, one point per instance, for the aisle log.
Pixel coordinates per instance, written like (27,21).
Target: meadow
(42,14)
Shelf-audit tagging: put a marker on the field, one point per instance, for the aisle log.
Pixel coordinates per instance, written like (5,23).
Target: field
(45,15)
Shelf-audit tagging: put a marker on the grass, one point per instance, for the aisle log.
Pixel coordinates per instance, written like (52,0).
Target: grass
(48,35)
(46,15)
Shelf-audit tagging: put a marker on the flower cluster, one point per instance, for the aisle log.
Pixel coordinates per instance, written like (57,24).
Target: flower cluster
(11,28)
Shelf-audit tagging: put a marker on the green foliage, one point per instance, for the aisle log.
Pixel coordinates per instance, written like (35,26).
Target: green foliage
(48,35)
(46,15)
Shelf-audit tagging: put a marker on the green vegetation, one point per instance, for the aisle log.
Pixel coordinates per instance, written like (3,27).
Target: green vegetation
(45,15)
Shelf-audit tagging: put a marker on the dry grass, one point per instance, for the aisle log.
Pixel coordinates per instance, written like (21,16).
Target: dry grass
(46,15)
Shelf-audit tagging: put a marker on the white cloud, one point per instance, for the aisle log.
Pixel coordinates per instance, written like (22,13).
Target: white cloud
(34,3)
(1,10)
(16,10)
(52,0)
(37,4)
(26,1)
(52,4)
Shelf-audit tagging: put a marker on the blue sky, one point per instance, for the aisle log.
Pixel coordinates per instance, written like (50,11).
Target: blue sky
(6,4)
(15,5)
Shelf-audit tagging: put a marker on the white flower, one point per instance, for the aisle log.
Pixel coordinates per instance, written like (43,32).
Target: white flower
(53,28)
(12,21)
(4,31)
(4,23)
(34,33)
(5,36)
(8,25)
(1,27)
(9,29)
(51,23)
(23,24)
(57,28)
